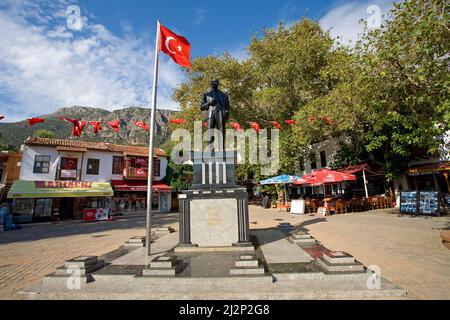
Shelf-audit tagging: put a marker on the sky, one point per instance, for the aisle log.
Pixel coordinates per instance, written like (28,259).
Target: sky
(99,53)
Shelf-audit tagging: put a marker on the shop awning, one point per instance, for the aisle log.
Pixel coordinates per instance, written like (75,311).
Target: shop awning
(127,185)
(283,179)
(59,189)
(429,168)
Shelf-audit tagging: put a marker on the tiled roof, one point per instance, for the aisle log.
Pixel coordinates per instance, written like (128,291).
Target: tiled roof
(97,146)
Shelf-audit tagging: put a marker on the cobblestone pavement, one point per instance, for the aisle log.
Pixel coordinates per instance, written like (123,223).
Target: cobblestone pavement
(407,249)
(28,254)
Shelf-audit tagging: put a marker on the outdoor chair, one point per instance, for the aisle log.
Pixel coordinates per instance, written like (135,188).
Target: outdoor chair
(341,206)
(312,206)
(356,204)
(381,203)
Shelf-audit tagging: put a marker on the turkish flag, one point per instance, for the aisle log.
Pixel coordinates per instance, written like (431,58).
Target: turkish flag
(177,121)
(175,46)
(276,125)
(78,126)
(291,122)
(236,126)
(255,125)
(33,121)
(97,126)
(141,125)
(114,125)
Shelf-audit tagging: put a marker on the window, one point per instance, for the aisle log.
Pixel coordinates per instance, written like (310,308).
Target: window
(117,166)
(312,160)
(41,164)
(156,166)
(93,166)
(323,159)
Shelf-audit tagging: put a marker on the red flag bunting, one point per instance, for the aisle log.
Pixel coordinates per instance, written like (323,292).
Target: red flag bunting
(236,126)
(175,46)
(290,122)
(33,121)
(255,126)
(204,124)
(78,126)
(97,125)
(141,125)
(114,125)
(177,121)
(276,125)
(2,117)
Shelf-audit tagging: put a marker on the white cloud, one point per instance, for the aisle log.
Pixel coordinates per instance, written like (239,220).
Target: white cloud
(343,20)
(45,66)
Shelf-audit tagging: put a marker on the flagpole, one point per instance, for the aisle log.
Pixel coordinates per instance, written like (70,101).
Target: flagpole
(150,151)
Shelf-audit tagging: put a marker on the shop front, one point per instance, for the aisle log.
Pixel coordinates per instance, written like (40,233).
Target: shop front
(131,197)
(39,201)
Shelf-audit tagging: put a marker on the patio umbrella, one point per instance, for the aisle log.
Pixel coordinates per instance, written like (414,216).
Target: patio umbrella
(283,179)
(323,176)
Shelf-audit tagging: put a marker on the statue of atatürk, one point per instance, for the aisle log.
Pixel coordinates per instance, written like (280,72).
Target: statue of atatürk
(217,105)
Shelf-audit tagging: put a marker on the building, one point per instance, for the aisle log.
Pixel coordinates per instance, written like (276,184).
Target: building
(321,155)
(61,179)
(9,171)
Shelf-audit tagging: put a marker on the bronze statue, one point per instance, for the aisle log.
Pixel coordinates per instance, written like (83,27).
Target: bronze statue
(217,107)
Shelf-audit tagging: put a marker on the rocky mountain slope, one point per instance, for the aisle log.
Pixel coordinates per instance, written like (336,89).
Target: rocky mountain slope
(16,133)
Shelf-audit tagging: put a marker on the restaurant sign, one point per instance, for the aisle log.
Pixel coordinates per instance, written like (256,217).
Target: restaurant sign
(63,184)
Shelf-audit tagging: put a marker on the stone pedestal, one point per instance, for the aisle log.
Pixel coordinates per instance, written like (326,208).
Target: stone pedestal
(214,211)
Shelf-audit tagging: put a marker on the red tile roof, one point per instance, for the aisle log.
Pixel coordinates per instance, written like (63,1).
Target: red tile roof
(96,146)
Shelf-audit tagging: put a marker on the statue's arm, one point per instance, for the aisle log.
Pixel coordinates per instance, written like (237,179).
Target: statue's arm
(205,105)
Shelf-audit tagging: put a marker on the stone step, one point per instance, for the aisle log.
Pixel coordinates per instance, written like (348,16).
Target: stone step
(136,240)
(81,262)
(247,271)
(246,257)
(246,263)
(344,268)
(304,242)
(159,272)
(65,280)
(163,263)
(300,236)
(73,270)
(338,257)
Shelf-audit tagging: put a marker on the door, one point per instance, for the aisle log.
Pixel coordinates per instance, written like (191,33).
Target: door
(66,208)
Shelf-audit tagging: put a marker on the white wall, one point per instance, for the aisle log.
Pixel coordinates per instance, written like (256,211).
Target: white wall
(330,146)
(105,170)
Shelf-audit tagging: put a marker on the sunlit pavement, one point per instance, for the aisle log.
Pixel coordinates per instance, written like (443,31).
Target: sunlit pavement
(407,249)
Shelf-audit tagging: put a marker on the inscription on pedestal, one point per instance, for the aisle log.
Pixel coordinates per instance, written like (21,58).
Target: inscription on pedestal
(214,222)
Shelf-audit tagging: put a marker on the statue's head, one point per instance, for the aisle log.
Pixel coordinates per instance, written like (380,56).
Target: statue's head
(214,84)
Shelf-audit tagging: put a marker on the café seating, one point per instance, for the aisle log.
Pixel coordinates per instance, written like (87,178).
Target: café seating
(341,206)
(312,206)
(356,204)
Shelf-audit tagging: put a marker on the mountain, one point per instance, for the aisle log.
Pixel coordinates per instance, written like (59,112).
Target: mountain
(16,133)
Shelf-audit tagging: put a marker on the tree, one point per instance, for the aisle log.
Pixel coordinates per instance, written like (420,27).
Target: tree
(43,133)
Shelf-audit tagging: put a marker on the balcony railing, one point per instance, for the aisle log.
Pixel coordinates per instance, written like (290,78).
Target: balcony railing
(68,174)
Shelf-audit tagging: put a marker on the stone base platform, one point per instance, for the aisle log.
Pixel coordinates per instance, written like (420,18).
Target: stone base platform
(276,269)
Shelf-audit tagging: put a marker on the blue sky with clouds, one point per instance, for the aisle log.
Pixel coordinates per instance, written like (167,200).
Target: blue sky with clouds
(46,64)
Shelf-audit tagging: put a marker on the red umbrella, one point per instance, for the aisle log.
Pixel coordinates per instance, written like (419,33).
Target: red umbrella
(177,121)
(255,125)
(141,125)
(291,122)
(236,126)
(114,125)
(276,124)
(97,126)
(322,176)
(78,126)
(33,121)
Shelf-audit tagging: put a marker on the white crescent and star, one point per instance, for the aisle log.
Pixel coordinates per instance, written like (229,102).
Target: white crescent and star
(168,39)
